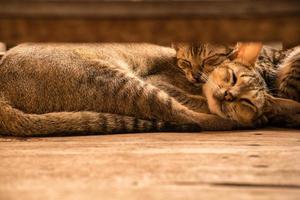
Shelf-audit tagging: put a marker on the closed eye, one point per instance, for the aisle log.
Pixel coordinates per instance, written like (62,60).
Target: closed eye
(234,78)
(184,63)
(215,59)
(211,59)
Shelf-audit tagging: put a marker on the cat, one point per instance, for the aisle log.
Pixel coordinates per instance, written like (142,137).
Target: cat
(236,90)
(279,68)
(48,89)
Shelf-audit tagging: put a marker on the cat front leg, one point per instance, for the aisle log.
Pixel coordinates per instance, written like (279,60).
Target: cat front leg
(130,95)
(196,103)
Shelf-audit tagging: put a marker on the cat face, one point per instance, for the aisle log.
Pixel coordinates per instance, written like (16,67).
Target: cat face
(197,61)
(235,90)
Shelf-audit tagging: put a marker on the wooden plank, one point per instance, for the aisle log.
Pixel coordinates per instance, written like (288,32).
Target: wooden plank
(148,8)
(260,164)
(153,21)
(162,31)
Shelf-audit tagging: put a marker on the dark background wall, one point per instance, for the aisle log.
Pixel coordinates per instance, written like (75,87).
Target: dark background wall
(157,21)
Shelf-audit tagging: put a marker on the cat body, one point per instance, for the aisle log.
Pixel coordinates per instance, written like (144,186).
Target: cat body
(59,76)
(99,88)
(288,75)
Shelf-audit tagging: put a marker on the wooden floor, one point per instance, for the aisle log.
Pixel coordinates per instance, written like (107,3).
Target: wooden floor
(262,164)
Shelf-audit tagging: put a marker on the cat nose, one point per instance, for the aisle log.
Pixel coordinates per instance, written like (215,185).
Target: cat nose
(198,79)
(228,96)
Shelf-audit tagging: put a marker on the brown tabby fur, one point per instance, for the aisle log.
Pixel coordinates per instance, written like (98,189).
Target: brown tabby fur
(236,90)
(198,60)
(288,81)
(279,68)
(47,89)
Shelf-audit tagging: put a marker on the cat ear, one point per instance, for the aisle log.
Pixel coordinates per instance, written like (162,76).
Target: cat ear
(246,53)
(234,53)
(280,106)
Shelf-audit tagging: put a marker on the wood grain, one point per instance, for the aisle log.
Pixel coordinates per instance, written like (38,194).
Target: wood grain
(160,31)
(156,21)
(148,8)
(261,164)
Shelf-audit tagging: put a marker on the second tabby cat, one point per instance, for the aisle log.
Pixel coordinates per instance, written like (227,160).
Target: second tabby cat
(280,69)
(237,90)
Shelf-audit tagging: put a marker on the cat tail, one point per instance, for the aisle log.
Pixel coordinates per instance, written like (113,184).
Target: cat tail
(14,122)
(289,76)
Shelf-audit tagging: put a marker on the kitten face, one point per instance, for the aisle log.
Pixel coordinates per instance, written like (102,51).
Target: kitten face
(236,91)
(197,61)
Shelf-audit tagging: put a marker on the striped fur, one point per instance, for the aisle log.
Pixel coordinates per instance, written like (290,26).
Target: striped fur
(46,89)
(237,89)
(279,68)
(288,81)
(198,60)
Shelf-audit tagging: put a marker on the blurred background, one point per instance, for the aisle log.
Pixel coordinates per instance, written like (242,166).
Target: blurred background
(157,21)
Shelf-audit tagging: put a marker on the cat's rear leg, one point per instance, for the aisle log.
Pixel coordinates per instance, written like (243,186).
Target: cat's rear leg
(196,103)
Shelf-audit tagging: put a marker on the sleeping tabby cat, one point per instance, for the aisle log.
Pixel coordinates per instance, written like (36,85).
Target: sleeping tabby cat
(98,88)
(47,89)
(237,90)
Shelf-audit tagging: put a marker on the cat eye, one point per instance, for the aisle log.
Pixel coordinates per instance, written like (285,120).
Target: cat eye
(234,78)
(230,77)
(214,59)
(211,61)
(184,63)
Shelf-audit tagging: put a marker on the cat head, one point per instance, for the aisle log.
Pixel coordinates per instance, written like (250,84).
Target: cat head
(235,90)
(198,60)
